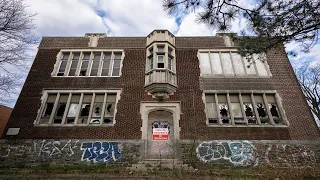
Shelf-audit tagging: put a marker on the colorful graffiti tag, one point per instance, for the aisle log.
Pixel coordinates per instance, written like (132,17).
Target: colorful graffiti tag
(100,151)
(239,153)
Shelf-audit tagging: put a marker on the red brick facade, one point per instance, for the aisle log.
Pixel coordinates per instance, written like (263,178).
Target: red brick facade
(4,117)
(189,93)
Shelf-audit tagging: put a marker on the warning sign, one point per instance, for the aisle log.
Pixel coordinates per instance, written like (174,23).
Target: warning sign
(160,134)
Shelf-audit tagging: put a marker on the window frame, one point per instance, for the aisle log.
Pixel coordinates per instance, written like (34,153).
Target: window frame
(234,75)
(44,98)
(281,111)
(90,62)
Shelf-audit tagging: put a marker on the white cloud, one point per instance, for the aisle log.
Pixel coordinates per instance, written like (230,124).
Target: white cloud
(65,18)
(189,27)
(136,17)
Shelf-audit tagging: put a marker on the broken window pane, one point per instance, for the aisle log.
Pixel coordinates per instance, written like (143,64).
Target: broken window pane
(85,109)
(259,62)
(205,64)
(237,64)
(74,103)
(248,109)
(224,113)
(250,67)
(216,63)
(227,64)
(48,109)
(261,109)
(61,107)
(275,113)
(97,109)
(109,111)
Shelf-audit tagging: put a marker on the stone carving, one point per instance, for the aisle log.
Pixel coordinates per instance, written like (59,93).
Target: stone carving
(100,151)
(239,153)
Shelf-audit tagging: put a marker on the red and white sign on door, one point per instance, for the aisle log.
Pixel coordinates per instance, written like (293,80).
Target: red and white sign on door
(160,134)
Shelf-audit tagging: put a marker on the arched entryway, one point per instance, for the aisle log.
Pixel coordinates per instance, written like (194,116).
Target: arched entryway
(161,115)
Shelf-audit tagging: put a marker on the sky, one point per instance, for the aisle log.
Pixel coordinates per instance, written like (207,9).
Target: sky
(123,18)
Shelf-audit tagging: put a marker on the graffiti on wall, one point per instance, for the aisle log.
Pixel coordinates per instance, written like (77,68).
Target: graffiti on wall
(40,148)
(297,156)
(100,151)
(239,153)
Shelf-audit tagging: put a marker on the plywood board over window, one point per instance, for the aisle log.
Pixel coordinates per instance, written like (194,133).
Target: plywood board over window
(227,63)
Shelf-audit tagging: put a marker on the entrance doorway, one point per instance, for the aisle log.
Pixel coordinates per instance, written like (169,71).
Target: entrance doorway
(160,135)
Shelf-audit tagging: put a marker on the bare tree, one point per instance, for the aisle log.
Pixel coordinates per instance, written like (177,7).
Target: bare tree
(16,39)
(272,21)
(309,79)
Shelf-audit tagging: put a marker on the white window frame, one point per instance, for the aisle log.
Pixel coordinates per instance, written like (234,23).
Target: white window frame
(281,111)
(44,98)
(89,68)
(209,51)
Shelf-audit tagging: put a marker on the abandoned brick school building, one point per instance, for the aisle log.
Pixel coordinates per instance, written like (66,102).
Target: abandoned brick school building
(155,94)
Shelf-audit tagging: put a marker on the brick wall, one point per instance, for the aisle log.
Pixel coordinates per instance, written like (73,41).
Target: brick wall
(4,117)
(189,93)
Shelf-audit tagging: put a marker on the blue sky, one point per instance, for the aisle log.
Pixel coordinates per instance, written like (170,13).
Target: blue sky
(122,18)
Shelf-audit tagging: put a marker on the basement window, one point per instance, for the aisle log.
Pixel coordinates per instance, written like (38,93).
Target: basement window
(243,109)
(79,108)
